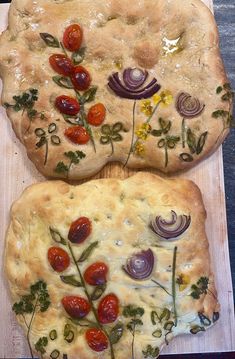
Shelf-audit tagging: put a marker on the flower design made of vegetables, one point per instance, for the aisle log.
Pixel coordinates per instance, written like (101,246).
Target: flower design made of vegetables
(132,87)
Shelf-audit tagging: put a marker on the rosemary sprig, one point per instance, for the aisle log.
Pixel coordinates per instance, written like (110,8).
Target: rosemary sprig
(37,300)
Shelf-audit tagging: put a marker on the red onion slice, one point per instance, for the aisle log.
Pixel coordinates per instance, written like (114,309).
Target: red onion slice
(140,265)
(188,106)
(134,78)
(170,229)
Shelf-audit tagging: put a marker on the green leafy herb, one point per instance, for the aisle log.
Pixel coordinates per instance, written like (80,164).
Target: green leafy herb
(186,157)
(68,333)
(151,352)
(43,138)
(37,300)
(63,81)
(201,142)
(49,40)
(165,315)
(74,158)
(191,141)
(25,103)
(71,280)
(227,95)
(196,329)
(78,56)
(116,333)
(41,344)
(56,236)
(111,134)
(87,252)
(135,313)
(169,142)
(154,315)
(200,288)
(55,354)
(53,334)
(98,291)
(204,320)
(157,333)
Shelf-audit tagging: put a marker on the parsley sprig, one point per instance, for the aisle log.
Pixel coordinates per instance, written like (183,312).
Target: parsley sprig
(25,103)
(74,158)
(201,287)
(151,352)
(37,300)
(135,313)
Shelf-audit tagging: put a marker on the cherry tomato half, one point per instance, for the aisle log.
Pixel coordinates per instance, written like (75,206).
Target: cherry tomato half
(108,309)
(81,78)
(77,134)
(76,307)
(96,339)
(61,64)
(96,273)
(72,38)
(96,114)
(80,230)
(67,105)
(58,259)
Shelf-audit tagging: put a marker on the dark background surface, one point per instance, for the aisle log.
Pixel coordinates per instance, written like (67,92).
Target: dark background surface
(225,17)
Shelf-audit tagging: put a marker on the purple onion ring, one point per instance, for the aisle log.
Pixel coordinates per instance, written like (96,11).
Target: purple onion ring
(140,265)
(134,78)
(170,229)
(188,106)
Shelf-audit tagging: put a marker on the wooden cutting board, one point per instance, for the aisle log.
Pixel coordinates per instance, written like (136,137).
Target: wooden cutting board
(17,172)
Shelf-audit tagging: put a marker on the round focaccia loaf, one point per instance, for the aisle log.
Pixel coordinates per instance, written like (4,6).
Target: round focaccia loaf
(171,125)
(176,294)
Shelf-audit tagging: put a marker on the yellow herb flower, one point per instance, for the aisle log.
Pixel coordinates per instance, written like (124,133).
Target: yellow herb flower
(183,281)
(139,149)
(143,131)
(146,107)
(165,97)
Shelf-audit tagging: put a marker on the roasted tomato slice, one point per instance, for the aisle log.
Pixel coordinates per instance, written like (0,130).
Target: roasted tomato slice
(67,105)
(77,134)
(80,230)
(96,339)
(58,259)
(96,114)
(61,64)
(108,309)
(72,38)
(81,78)
(96,273)
(76,307)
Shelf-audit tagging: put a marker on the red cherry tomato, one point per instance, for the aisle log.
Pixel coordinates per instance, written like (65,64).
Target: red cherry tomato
(76,307)
(80,230)
(58,259)
(81,78)
(96,114)
(96,339)
(72,38)
(96,273)
(108,309)
(61,64)
(67,105)
(77,134)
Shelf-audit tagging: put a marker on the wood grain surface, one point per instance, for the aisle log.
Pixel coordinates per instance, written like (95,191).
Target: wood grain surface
(17,172)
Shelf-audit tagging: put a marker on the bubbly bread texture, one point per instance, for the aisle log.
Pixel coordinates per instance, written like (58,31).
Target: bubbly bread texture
(177,45)
(179,295)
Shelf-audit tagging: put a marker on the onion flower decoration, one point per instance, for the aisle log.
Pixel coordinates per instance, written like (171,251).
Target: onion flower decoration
(140,265)
(188,107)
(171,229)
(132,85)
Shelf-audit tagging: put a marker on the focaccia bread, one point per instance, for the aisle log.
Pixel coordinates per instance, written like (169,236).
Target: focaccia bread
(151,86)
(142,273)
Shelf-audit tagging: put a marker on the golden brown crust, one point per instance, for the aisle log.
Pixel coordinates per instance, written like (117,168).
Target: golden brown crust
(130,36)
(120,212)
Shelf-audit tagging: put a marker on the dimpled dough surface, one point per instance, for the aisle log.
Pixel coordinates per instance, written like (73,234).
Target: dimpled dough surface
(120,212)
(177,45)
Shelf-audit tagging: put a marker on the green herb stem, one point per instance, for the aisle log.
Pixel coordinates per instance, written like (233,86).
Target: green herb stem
(90,301)
(173,285)
(153,113)
(161,286)
(183,132)
(86,125)
(133,135)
